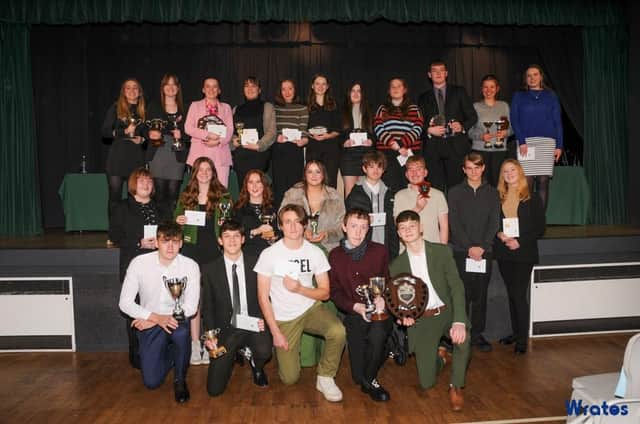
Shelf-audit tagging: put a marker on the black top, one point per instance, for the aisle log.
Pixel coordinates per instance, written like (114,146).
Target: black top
(251,114)
(330,119)
(531,221)
(249,217)
(124,155)
(207,248)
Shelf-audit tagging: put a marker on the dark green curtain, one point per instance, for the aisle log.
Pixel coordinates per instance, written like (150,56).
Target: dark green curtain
(19,192)
(606,127)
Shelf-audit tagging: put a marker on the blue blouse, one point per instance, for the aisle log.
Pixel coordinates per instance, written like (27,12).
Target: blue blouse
(536,113)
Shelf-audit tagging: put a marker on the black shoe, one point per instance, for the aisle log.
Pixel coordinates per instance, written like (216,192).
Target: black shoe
(259,377)
(520,349)
(181,392)
(376,391)
(481,344)
(508,340)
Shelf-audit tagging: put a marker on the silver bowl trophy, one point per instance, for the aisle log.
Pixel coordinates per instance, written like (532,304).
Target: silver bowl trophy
(313,223)
(177,145)
(212,336)
(364,291)
(440,121)
(267,218)
(377,285)
(487,125)
(176,287)
(502,124)
(131,121)
(156,124)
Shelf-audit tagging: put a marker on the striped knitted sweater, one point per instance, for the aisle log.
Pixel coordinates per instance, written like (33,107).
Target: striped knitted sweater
(391,126)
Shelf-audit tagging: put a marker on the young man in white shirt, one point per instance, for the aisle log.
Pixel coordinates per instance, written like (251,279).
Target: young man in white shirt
(291,305)
(445,313)
(164,340)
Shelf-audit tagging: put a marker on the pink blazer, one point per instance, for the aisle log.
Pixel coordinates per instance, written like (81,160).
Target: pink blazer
(220,154)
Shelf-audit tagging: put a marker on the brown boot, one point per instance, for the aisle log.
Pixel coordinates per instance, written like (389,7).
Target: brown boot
(456,398)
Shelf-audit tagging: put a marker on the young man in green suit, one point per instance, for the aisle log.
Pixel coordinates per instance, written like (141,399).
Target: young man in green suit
(445,313)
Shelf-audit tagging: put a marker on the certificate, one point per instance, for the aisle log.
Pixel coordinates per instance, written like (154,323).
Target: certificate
(531,154)
(318,130)
(291,134)
(402,160)
(196,218)
(219,130)
(247,322)
(471,265)
(249,136)
(150,231)
(358,138)
(511,227)
(378,219)
(288,268)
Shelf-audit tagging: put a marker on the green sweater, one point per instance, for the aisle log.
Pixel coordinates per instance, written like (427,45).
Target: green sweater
(190,232)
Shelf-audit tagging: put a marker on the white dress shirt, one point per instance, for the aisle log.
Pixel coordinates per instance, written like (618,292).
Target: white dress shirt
(242,283)
(420,269)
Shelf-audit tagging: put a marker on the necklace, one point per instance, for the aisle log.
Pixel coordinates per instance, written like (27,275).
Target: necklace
(536,93)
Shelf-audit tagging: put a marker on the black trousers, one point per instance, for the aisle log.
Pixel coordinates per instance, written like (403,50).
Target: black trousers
(246,160)
(444,158)
(328,152)
(475,290)
(393,176)
(517,276)
(367,346)
(287,167)
(220,369)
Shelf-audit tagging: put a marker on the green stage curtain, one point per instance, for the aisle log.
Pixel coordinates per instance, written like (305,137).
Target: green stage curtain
(19,193)
(605,122)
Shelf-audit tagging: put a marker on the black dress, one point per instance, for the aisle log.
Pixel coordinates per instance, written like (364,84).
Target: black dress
(326,151)
(249,217)
(207,248)
(124,155)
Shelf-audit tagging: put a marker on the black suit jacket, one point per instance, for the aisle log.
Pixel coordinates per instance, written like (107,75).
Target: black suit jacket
(531,222)
(217,309)
(457,105)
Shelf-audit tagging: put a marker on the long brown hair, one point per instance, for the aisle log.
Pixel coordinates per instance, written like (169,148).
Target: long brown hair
(365,110)
(279,100)
(303,184)
(189,197)
(329,101)
(523,187)
(164,81)
(267,194)
(543,84)
(404,106)
(123,110)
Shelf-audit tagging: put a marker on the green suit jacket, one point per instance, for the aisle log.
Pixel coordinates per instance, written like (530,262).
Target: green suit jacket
(443,274)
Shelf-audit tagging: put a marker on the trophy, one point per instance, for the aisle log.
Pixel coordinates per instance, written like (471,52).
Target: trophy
(131,121)
(209,119)
(156,124)
(225,211)
(364,292)
(377,286)
(503,125)
(212,335)
(406,296)
(267,219)
(176,287)
(239,127)
(313,223)
(424,189)
(177,145)
(487,125)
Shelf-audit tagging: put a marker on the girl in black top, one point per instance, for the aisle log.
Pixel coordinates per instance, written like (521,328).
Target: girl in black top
(122,125)
(253,209)
(356,117)
(324,126)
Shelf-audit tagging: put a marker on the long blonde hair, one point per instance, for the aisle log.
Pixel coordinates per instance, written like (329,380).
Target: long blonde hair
(523,187)
(123,110)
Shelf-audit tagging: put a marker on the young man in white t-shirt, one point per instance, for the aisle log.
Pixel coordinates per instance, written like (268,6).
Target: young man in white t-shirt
(291,305)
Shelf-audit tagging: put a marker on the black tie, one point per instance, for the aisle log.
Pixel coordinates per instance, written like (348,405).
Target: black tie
(440,102)
(236,294)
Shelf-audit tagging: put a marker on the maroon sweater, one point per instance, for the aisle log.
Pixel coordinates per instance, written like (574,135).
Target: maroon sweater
(346,274)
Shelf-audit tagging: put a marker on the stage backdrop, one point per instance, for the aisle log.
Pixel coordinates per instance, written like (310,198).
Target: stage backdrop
(605,48)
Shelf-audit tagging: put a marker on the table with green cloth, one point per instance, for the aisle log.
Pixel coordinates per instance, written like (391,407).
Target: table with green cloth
(84,201)
(569,197)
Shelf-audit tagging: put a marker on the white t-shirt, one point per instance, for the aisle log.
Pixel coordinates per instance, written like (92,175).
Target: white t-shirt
(145,277)
(309,260)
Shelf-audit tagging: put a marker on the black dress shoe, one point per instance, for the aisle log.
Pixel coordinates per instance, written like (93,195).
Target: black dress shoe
(376,391)
(181,392)
(259,377)
(520,349)
(481,344)
(508,340)
(446,343)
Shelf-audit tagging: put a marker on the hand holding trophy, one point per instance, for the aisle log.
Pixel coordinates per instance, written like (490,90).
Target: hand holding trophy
(364,291)
(267,219)
(176,287)
(210,338)
(377,286)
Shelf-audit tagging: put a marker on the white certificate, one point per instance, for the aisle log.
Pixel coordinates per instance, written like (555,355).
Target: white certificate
(378,219)
(249,136)
(150,231)
(283,268)
(403,159)
(196,218)
(291,134)
(358,138)
(511,227)
(247,322)
(219,130)
(471,265)
(317,130)
(531,154)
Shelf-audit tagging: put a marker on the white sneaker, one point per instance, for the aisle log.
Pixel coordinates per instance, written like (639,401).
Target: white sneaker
(196,353)
(205,357)
(327,386)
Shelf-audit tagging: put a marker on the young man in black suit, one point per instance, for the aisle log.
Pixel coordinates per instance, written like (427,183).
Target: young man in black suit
(229,300)
(446,140)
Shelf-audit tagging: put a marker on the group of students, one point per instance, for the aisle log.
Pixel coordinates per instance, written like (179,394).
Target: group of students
(282,249)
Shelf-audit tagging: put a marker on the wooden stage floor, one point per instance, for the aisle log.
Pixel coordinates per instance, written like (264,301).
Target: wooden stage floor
(101,387)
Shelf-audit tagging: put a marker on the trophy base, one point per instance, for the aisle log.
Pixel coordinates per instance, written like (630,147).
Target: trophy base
(379,316)
(216,353)
(179,316)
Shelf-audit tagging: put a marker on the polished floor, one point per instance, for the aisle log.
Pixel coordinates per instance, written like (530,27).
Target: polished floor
(102,388)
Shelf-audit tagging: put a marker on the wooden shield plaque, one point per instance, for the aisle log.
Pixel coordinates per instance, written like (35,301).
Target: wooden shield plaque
(406,296)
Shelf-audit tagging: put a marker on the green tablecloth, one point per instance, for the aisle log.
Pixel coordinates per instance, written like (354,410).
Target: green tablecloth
(84,200)
(569,197)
